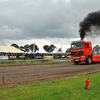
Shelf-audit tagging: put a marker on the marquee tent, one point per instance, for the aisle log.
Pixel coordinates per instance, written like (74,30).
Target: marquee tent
(8,49)
(2,43)
(42,51)
(60,52)
(54,51)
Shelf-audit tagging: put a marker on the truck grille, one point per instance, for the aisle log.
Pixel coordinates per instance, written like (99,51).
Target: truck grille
(77,53)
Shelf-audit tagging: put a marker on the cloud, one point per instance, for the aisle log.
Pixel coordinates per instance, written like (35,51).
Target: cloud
(24,19)
(43,19)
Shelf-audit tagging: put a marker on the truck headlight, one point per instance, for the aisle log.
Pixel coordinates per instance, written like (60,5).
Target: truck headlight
(83,56)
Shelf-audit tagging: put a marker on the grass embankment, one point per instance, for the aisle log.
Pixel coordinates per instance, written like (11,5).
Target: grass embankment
(22,62)
(34,59)
(64,89)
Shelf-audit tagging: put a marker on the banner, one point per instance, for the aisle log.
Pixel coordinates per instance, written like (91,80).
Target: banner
(21,57)
(47,57)
(12,57)
(4,57)
(38,57)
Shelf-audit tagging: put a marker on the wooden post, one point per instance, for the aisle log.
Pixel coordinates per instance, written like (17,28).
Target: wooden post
(3,82)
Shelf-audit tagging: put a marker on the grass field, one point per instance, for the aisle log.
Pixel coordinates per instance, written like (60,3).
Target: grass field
(72,88)
(33,59)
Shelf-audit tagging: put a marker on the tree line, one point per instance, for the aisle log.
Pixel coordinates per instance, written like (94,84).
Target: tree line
(28,47)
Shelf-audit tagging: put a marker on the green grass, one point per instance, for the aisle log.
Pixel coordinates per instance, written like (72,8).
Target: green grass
(34,59)
(64,89)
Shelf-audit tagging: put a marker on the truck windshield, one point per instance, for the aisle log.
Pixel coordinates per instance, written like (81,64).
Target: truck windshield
(78,45)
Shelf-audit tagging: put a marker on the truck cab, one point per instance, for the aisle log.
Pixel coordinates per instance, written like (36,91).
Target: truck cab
(81,51)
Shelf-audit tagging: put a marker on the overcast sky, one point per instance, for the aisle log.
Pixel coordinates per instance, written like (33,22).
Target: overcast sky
(43,21)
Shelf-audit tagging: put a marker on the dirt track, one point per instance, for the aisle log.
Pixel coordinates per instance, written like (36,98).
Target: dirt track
(16,75)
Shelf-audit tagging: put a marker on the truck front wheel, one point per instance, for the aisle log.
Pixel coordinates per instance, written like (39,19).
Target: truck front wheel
(76,62)
(89,60)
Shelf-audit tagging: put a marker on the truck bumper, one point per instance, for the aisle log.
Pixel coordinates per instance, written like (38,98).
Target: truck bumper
(78,58)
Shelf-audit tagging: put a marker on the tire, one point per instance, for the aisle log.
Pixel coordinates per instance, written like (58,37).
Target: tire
(89,60)
(76,62)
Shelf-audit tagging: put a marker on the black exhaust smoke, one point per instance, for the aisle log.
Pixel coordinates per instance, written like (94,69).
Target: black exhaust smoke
(92,19)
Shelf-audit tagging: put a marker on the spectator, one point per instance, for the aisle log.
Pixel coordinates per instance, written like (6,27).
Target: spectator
(0,54)
(6,54)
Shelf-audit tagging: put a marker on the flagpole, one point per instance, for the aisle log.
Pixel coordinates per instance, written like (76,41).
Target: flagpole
(34,47)
(61,48)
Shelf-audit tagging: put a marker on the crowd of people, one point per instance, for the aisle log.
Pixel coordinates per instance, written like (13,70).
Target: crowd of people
(32,55)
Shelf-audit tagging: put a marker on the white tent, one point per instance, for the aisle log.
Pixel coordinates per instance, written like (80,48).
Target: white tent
(42,51)
(30,51)
(60,52)
(2,43)
(54,51)
(10,49)
(37,51)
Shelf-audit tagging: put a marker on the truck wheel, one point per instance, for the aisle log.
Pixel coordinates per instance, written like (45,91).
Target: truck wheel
(89,60)
(76,62)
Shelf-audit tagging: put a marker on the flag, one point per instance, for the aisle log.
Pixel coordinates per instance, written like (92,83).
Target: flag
(34,47)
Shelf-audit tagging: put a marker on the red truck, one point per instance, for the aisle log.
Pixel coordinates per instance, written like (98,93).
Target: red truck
(81,51)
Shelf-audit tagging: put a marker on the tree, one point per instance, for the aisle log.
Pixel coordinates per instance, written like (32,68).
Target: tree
(26,47)
(22,48)
(96,49)
(59,49)
(36,47)
(46,48)
(49,48)
(68,50)
(15,45)
(52,47)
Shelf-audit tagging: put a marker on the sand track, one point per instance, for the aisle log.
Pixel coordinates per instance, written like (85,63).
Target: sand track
(16,75)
